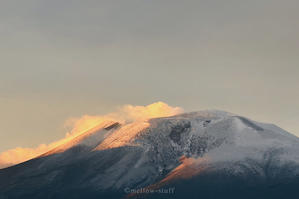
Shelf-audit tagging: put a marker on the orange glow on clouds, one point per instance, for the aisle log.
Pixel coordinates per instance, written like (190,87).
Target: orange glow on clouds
(158,109)
(127,113)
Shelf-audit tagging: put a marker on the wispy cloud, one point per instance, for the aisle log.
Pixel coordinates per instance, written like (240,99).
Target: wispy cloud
(126,113)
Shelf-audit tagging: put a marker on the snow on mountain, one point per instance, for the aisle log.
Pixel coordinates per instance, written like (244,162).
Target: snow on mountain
(156,152)
(123,136)
(183,131)
(90,138)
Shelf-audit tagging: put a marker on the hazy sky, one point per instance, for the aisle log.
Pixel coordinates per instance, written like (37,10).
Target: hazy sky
(62,59)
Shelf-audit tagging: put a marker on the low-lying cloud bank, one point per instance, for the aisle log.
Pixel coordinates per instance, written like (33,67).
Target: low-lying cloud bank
(125,113)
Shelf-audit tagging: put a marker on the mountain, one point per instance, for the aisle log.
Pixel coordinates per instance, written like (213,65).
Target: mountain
(206,154)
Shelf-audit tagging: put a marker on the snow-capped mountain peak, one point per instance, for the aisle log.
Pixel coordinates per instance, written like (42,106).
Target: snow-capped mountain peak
(154,153)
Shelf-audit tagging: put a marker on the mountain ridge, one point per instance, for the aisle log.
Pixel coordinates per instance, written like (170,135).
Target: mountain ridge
(162,152)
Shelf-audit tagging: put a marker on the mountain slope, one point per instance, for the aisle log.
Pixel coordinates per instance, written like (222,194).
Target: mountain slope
(209,150)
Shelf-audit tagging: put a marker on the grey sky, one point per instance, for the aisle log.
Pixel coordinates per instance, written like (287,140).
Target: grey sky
(60,59)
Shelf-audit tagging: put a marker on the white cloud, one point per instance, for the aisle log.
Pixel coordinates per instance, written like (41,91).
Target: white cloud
(127,113)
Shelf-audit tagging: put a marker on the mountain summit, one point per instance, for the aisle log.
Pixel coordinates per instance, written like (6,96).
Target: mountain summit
(206,154)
